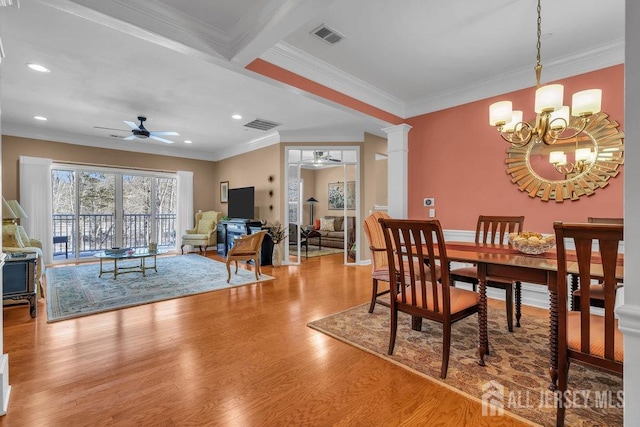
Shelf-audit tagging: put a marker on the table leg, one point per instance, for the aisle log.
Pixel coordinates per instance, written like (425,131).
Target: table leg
(482,314)
(518,303)
(574,287)
(553,334)
(33,307)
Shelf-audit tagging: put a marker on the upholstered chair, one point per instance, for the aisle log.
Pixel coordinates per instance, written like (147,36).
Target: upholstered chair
(246,248)
(15,239)
(204,234)
(494,230)
(590,338)
(429,295)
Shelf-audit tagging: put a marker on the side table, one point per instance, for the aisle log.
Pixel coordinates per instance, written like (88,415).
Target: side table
(306,235)
(18,279)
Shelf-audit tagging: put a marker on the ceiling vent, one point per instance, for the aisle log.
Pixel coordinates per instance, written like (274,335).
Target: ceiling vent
(262,124)
(327,34)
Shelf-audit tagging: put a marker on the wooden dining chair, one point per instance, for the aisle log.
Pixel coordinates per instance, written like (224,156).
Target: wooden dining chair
(246,248)
(379,263)
(596,294)
(591,339)
(494,230)
(419,292)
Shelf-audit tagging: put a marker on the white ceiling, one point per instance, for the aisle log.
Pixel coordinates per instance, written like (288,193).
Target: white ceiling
(181,64)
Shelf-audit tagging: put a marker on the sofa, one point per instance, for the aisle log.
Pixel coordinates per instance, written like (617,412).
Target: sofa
(332,230)
(15,239)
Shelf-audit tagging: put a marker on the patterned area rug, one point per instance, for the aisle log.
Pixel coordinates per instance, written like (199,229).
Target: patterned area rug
(516,376)
(315,251)
(75,291)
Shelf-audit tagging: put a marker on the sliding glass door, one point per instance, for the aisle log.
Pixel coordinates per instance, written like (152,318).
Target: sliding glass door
(99,209)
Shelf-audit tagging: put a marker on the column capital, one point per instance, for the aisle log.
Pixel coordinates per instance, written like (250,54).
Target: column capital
(397,137)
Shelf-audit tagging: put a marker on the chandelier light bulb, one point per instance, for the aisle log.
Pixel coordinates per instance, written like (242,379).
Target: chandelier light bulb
(516,118)
(500,113)
(549,98)
(586,102)
(556,118)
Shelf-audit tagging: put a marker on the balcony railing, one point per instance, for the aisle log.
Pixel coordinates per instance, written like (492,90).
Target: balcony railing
(97,232)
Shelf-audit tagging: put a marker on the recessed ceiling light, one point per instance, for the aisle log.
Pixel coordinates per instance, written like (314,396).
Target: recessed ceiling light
(38,67)
(236,117)
(188,141)
(40,118)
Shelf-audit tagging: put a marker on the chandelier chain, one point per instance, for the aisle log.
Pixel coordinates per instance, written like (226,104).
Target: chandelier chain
(538,67)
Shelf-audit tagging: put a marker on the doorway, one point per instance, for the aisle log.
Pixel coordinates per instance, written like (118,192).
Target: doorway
(322,183)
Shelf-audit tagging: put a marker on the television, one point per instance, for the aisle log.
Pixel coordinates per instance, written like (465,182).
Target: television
(241,202)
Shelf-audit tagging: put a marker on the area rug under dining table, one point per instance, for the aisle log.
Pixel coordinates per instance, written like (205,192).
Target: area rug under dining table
(516,372)
(74,291)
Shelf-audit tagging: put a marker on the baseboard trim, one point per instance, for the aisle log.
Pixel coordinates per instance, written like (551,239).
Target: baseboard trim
(4,384)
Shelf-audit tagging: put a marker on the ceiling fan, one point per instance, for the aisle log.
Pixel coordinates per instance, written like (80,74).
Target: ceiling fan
(323,156)
(140,132)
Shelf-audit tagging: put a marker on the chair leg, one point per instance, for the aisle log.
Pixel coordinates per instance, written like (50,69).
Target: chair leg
(416,323)
(394,328)
(509,302)
(236,266)
(563,379)
(181,249)
(257,265)
(228,272)
(374,295)
(518,303)
(446,347)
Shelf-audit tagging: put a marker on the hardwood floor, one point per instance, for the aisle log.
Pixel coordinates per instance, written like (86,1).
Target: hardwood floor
(242,356)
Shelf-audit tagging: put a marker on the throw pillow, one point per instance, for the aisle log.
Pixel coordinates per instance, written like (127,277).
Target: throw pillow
(23,235)
(204,226)
(317,223)
(326,224)
(11,238)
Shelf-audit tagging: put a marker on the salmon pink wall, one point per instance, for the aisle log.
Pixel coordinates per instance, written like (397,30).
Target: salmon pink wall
(456,157)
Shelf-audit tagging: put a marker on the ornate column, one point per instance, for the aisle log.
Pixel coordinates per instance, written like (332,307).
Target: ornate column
(398,155)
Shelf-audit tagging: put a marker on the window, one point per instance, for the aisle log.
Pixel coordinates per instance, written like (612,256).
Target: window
(99,208)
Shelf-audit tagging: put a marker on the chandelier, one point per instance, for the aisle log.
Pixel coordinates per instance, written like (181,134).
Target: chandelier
(552,118)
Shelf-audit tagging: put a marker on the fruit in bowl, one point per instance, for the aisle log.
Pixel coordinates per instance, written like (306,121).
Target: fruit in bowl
(530,242)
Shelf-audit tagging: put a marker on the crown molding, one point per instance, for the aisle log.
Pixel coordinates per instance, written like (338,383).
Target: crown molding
(299,62)
(598,57)
(173,150)
(255,144)
(319,137)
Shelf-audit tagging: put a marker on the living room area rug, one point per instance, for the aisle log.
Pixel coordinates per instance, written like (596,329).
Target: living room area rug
(516,372)
(74,291)
(315,251)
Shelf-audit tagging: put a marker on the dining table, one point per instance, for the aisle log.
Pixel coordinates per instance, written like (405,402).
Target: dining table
(504,261)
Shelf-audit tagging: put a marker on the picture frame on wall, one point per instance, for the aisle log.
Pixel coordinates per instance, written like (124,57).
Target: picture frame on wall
(337,195)
(224,192)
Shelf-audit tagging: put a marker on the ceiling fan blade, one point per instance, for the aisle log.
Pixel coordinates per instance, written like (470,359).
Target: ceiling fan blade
(157,138)
(164,133)
(131,124)
(129,138)
(105,128)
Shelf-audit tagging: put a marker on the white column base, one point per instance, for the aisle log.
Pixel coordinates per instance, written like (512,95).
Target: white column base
(629,324)
(4,383)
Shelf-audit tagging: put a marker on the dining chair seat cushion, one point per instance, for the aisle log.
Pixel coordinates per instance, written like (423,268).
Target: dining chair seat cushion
(383,273)
(472,273)
(460,299)
(596,291)
(596,335)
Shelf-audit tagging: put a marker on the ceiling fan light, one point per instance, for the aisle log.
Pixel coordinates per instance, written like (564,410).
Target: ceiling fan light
(500,113)
(549,98)
(586,102)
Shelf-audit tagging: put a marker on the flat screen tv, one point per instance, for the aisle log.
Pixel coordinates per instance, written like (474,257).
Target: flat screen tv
(241,202)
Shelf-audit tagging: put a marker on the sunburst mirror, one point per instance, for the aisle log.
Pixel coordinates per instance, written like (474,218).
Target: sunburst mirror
(555,172)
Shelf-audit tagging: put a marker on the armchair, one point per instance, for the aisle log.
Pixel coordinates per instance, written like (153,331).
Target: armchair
(15,239)
(246,248)
(204,234)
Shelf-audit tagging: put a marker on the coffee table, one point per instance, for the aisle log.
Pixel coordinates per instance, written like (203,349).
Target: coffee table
(140,254)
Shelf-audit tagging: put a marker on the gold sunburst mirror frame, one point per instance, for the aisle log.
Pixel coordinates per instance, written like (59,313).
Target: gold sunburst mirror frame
(608,148)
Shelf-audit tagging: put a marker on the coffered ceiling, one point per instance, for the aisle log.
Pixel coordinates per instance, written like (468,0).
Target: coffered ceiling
(182,64)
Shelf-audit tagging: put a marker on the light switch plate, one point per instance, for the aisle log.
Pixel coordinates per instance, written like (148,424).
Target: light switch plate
(432,213)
